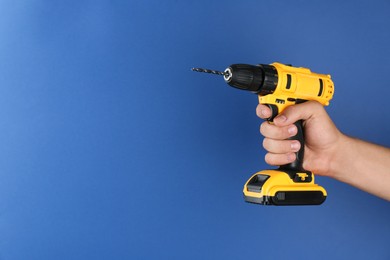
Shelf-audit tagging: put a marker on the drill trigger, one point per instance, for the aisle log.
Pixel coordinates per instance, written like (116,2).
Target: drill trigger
(274,112)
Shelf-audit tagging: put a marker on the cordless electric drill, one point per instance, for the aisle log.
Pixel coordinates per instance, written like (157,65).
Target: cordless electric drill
(279,86)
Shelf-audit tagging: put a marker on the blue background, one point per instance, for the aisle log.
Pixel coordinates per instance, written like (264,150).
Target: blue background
(111,148)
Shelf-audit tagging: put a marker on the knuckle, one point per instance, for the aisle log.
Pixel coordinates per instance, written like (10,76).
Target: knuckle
(291,109)
(314,105)
(269,158)
(279,159)
(271,145)
(276,146)
(263,128)
(266,143)
(275,132)
(258,111)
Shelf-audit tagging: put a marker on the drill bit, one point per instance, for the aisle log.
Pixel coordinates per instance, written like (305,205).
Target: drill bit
(216,72)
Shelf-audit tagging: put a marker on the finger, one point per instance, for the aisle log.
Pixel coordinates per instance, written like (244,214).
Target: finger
(263,111)
(281,146)
(297,112)
(277,132)
(279,159)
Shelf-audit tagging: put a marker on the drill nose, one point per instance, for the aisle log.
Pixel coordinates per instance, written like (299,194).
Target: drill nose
(228,74)
(261,79)
(244,76)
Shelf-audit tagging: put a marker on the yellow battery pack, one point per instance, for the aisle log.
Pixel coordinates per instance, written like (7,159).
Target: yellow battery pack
(276,187)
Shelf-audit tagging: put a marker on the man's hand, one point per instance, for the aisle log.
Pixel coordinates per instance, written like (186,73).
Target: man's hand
(321,136)
(328,152)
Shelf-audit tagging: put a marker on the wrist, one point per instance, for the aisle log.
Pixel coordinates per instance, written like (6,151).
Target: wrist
(342,158)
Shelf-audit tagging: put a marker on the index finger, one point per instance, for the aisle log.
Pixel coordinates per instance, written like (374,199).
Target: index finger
(263,111)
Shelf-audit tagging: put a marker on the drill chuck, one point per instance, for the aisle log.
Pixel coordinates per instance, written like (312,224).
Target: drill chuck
(260,79)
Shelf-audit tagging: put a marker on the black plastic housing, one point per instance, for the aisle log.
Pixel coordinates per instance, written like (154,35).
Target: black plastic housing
(261,79)
(290,198)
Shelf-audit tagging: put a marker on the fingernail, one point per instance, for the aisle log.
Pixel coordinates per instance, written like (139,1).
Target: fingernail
(295,146)
(264,113)
(292,129)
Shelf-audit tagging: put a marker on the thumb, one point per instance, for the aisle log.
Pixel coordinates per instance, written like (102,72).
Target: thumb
(297,112)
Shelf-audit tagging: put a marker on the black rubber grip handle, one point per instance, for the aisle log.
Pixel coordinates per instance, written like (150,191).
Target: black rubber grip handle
(297,164)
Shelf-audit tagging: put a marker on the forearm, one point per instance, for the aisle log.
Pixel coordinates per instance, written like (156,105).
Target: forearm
(363,165)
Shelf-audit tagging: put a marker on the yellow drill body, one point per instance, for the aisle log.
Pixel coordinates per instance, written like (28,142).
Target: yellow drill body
(279,86)
(298,84)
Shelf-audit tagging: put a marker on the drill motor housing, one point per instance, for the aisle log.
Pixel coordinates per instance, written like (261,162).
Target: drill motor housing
(279,85)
